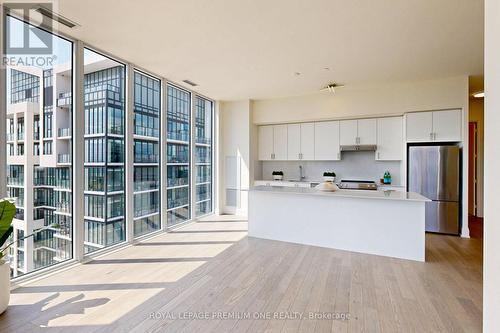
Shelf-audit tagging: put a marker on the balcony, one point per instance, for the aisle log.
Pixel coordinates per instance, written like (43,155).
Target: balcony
(64,133)
(36,135)
(63,207)
(146,185)
(20,136)
(179,136)
(10,137)
(203,140)
(64,158)
(145,158)
(146,131)
(64,99)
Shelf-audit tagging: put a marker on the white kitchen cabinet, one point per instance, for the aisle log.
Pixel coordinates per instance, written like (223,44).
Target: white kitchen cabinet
(266,143)
(389,139)
(419,127)
(301,141)
(367,131)
(447,125)
(326,141)
(433,126)
(307,141)
(294,142)
(348,132)
(280,142)
(358,132)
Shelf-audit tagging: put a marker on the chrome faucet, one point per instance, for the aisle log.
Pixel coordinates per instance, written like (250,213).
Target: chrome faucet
(302,177)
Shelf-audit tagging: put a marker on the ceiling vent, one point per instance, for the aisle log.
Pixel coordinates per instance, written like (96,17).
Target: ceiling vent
(191,83)
(56,17)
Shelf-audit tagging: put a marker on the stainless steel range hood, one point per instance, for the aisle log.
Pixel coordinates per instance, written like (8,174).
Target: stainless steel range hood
(358,148)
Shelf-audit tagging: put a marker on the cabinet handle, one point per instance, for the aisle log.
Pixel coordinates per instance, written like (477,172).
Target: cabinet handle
(431,136)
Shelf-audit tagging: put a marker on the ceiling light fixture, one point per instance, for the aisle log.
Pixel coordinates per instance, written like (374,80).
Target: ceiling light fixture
(297,73)
(479,94)
(331,87)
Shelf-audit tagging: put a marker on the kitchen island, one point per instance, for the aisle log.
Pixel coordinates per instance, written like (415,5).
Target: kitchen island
(387,223)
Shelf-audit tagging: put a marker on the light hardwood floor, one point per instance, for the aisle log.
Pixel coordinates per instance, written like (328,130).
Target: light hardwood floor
(213,267)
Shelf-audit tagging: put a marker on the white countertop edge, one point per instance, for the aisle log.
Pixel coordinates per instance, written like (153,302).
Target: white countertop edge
(358,194)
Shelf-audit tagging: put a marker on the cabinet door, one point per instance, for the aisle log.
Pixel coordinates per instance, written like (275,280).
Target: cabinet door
(389,139)
(266,143)
(367,131)
(348,132)
(326,141)
(419,127)
(293,142)
(307,141)
(280,142)
(447,125)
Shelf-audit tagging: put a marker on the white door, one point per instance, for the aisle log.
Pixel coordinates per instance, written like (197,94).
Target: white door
(293,142)
(389,139)
(348,132)
(367,131)
(419,127)
(280,142)
(266,143)
(326,141)
(307,141)
(447,125)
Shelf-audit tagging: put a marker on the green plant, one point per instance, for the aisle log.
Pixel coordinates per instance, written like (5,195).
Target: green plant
(7,213)
(329,174)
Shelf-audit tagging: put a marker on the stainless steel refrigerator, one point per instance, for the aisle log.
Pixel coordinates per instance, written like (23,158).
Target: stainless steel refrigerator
(434,172)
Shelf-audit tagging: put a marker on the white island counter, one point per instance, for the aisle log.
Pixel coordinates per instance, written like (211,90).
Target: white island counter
(387,223)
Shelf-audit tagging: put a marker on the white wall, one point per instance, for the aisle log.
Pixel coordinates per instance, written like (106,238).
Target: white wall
(365,100)
(491,291)
(235,137)
(476,114)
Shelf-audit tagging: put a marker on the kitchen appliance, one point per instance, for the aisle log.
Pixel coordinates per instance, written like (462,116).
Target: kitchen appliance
(434,172)
(357,185)
(358,148)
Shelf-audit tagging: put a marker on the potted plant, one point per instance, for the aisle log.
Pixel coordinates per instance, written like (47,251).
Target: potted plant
(329,176)
(7,213)
(277,175)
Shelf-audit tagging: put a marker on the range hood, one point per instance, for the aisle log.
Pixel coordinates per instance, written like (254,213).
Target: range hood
(358,148)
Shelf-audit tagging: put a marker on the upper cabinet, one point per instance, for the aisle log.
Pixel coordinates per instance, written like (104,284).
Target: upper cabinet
(434,126)
(301,141)
(273,142)
(326,141)
(358,132)
(447,125)
(389,139)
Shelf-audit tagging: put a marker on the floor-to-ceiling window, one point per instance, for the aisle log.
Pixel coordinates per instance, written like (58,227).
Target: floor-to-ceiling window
(147,107)
(104,161)
(39,167)
(203,155)
(178,155)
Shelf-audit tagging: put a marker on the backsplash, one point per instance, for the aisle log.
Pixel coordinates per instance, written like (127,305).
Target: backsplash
(354,165)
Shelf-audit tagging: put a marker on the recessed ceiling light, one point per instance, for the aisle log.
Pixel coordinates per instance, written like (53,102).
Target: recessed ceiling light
(479,94)
(297,73)
(326,68)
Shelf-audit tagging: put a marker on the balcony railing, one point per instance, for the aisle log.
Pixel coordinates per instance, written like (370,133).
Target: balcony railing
(36,135)
(179,135)
(179,158)
(146,185)
(146,158)
(15,181)
(63,132)
(20,136)
(147,131)
(64,99)
(203,140)
(172,182)
(10,136)
(63,158)
(173,202)
(63,206)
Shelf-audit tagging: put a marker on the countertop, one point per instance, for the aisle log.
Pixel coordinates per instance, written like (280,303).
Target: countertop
(361,194)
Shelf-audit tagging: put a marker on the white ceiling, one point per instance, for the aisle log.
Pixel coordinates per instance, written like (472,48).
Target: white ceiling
(238,49)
